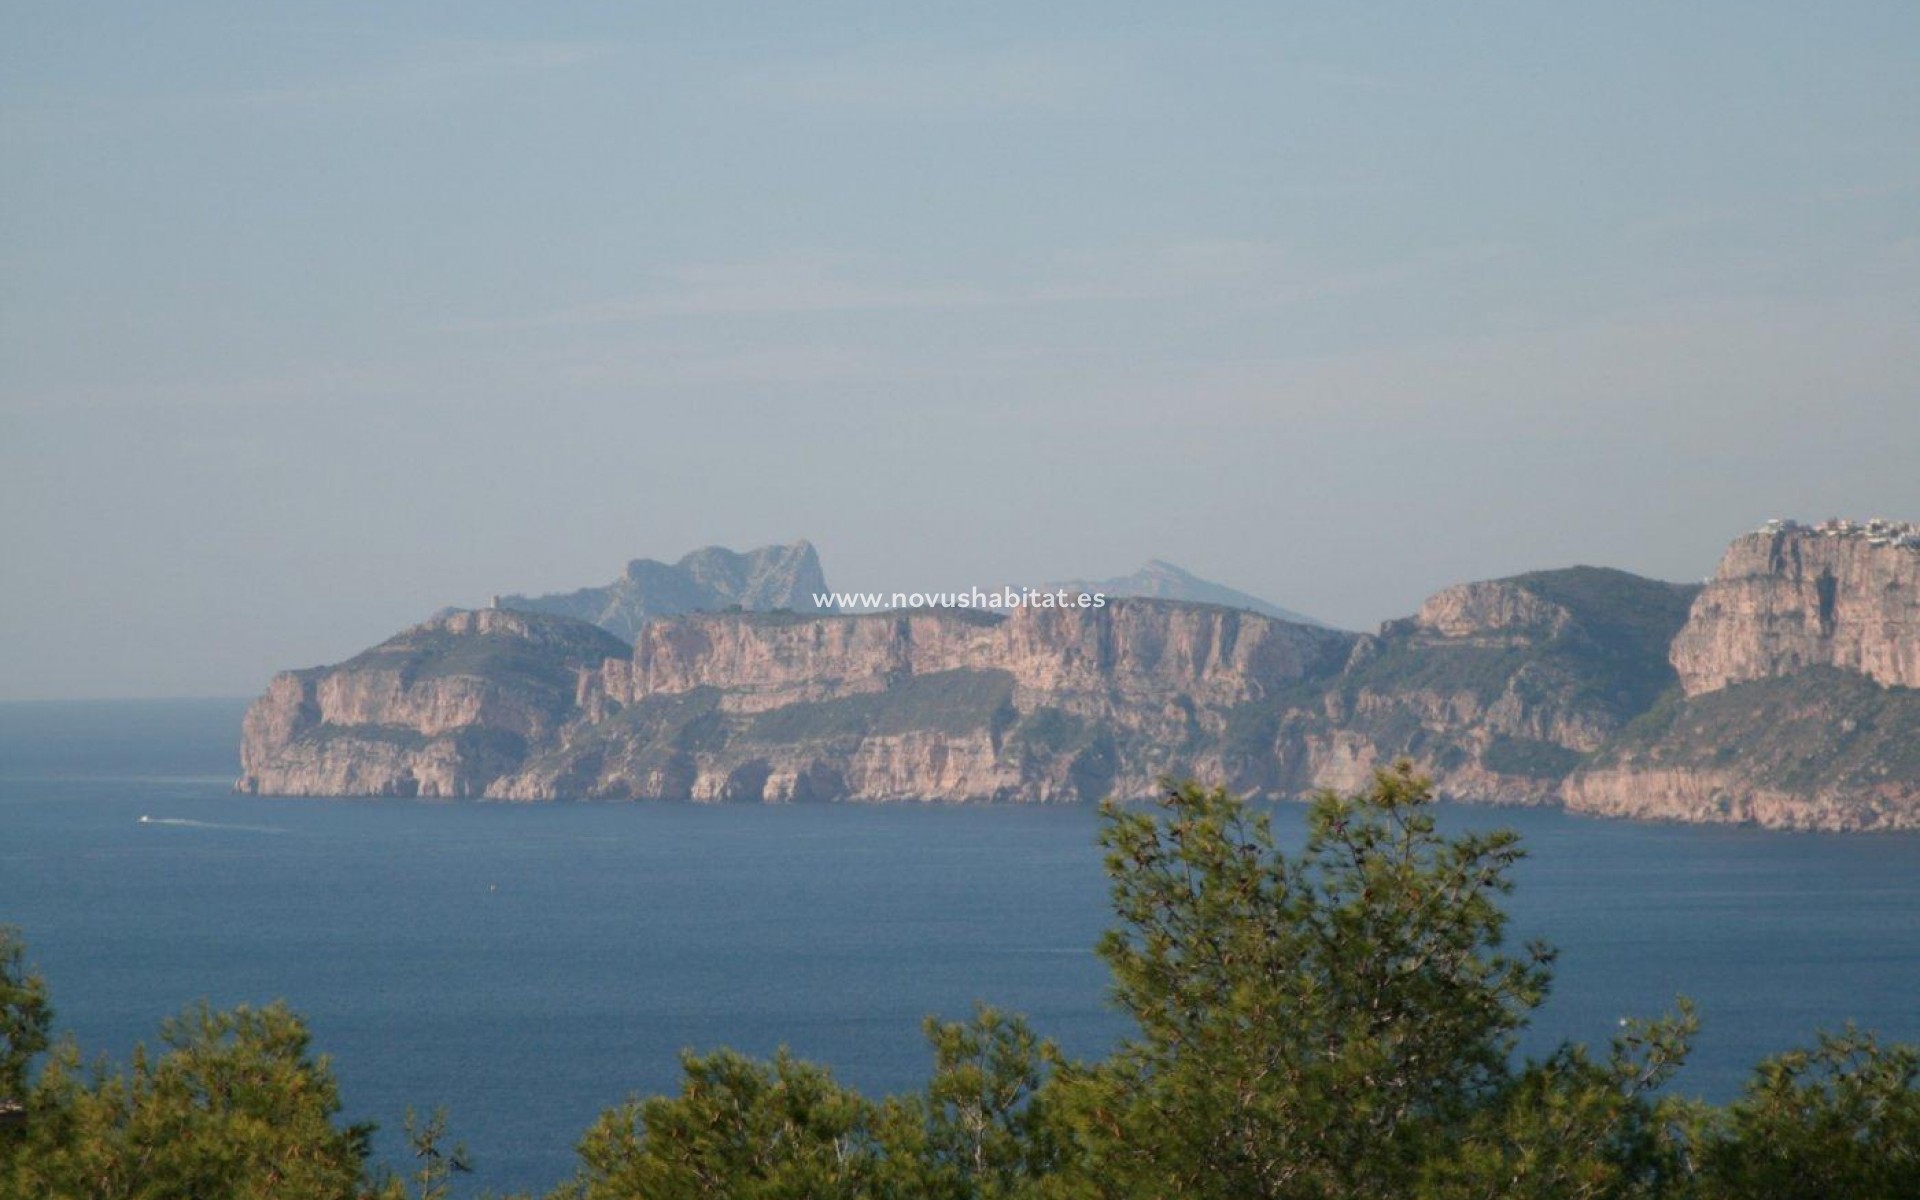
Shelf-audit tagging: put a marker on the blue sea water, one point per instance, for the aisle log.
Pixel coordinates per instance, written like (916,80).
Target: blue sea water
(528,966)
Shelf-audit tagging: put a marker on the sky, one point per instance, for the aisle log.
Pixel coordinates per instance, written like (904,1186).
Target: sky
(315,318)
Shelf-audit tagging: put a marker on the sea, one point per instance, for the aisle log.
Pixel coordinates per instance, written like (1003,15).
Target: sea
(528,966)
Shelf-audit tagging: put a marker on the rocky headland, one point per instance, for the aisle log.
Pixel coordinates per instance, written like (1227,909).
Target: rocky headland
(1790,597)
(1781,693)
(1798,703)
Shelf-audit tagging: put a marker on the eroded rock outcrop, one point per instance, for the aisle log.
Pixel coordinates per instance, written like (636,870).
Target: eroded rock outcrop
(443,709)
(929,705)
(1798,706)
(1792,597)
(1045,704)
(1497,688)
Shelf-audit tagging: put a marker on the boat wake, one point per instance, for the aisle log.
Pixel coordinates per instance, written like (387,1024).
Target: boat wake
(184,823)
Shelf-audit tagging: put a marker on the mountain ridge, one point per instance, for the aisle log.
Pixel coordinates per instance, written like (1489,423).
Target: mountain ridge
(707,579)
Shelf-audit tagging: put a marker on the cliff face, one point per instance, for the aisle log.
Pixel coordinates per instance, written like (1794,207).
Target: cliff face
(931,705)
(766,662)
(442,709)
(708,580)
(1069,704)
(1497,612)
(1792,598)
(1126,651)
(1798,706)
(1497,688)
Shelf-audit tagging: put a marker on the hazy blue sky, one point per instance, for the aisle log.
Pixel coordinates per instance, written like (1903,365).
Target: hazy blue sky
(314,318)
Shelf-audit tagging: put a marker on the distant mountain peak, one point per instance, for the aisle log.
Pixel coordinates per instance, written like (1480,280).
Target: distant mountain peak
(1157,578)
(1160,566)
(709,579)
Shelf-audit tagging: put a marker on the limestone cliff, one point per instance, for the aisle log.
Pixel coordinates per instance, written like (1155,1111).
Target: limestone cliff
(1791,597)
(1068,704)
(927,705)
(1498,688)
(443,709)
(1799,697)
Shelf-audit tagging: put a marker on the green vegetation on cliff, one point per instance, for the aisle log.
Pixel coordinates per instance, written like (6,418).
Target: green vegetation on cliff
(1613,652)
(1529,758)
(1406,662)
(1523,702)
(952,702)
(543,657)
(1626,623)
(1818,728)
(1629,612)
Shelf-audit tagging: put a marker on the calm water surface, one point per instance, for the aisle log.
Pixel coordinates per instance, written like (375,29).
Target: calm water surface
(529,966)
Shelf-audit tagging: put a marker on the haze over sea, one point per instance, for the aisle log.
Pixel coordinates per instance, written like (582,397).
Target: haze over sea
(528,966)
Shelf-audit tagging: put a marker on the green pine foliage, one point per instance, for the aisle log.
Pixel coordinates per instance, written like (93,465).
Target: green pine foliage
(26,1016)
(231,1106)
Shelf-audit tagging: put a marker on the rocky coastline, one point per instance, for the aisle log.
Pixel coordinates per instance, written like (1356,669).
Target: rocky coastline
(1782,693)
